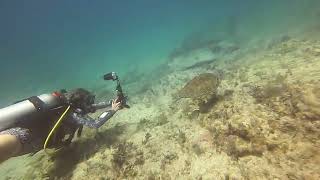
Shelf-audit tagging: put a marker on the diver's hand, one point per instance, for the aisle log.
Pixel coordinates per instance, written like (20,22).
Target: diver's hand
(116,105)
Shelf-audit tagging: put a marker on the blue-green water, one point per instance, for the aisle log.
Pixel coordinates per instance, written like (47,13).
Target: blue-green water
(48,45)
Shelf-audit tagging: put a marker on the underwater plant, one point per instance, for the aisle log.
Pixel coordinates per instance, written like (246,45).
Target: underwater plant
(168,157)
(125,159)
(146,138)
(121,154)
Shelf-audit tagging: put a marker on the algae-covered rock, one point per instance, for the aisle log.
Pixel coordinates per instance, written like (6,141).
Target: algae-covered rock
(126,158)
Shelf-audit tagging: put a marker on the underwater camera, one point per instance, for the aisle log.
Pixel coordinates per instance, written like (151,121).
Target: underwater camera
(120,95)
(110,76)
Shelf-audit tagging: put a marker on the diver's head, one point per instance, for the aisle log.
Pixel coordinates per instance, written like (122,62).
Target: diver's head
(82,99)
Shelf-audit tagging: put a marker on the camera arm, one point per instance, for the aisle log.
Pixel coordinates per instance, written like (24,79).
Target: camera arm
(120,95)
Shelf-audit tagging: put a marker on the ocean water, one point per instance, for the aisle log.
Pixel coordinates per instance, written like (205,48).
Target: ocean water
(51,45)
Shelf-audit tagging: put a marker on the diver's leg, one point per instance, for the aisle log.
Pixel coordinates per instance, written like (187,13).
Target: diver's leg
(13,142)
(10,145)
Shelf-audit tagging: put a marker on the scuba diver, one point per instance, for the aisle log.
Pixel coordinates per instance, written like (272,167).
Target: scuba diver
(51,120)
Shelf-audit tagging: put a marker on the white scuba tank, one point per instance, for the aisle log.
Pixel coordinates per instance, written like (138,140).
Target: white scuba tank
(20,111)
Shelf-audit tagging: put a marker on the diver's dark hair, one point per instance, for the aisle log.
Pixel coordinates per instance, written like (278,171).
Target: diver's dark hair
(81,98)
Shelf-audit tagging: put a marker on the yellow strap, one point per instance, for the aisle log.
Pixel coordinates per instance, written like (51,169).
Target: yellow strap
(54,127)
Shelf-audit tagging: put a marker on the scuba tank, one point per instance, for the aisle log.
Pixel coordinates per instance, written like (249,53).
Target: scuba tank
(28,109)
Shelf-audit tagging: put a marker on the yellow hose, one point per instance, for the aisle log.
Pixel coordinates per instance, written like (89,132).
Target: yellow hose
(54,128)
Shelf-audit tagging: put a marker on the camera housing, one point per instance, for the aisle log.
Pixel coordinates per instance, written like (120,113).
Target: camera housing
(120,95)
(110,76)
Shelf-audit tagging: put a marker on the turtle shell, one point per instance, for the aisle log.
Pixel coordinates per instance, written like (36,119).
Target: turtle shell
(201,87)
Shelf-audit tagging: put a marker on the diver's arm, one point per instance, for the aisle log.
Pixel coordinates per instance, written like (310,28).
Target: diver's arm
(104,117)
(92,123)
(102,105)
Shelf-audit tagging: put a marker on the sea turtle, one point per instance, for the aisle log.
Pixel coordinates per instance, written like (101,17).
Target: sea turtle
(201,88)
